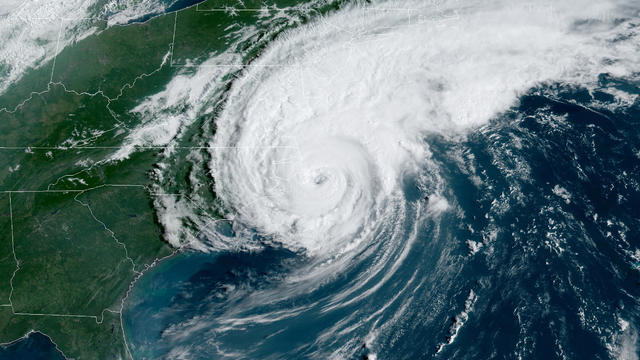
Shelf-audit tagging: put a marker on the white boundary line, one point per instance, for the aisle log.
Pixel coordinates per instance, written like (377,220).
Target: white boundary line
(79,192)
(98,319)
(28,333)
(13,250)
(138,274)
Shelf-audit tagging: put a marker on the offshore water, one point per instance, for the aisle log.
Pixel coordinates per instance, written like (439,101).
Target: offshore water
(539,258)
(33,347)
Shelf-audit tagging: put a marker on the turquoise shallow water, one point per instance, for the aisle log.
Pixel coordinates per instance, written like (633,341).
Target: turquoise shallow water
(538,257)
(550,191)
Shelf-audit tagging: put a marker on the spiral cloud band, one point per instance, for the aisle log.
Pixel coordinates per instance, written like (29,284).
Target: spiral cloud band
(318,135)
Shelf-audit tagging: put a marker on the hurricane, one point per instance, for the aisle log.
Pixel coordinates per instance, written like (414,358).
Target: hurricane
(440,179)
(325,126)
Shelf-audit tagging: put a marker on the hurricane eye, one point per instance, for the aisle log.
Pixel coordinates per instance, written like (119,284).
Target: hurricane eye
(320,179)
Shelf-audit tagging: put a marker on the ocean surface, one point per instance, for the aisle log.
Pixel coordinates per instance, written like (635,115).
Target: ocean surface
(451,182)
(540,259)
(33,347)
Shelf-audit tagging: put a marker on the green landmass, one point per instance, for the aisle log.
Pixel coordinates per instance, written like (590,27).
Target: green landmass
(7,263)
(77,338)
(82,228)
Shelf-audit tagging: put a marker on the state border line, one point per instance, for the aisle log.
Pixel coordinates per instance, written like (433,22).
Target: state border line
(32,331)
(13,251)
(98,319)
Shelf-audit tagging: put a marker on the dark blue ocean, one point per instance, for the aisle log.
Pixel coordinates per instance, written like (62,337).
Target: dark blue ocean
(36,346)
(539,259)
